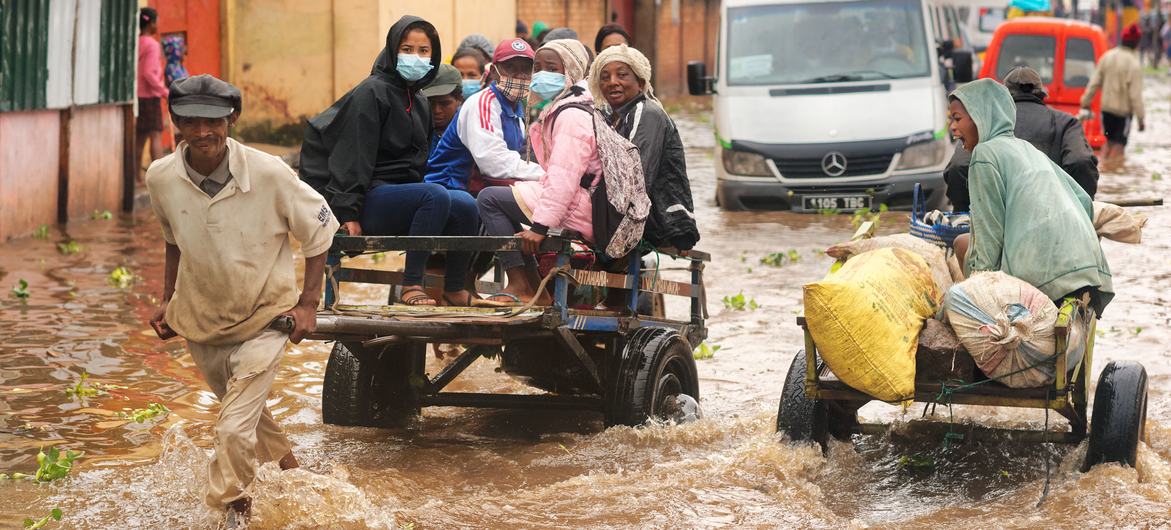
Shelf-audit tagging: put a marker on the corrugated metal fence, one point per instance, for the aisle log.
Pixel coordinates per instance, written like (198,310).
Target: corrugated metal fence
(57,53)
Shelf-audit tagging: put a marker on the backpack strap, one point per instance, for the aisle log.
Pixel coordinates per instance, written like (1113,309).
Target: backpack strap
(574,105)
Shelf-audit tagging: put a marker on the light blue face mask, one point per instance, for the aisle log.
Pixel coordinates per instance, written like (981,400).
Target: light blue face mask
(470,86)
(412,67)
(546,84)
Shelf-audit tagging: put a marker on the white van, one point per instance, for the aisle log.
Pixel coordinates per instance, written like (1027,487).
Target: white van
(979,19)
(830,105)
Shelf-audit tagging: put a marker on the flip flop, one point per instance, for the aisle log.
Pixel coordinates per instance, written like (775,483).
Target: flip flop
(514,303)
(418,299)
(473,301)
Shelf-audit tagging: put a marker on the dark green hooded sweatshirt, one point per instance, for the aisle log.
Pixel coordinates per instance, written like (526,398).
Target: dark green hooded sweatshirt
(1029,218)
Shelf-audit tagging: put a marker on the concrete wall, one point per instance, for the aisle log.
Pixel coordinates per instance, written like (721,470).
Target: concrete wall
(293,58)
(95,160)
(29,162)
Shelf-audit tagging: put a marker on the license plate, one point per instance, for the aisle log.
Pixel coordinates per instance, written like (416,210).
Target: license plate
(836,202)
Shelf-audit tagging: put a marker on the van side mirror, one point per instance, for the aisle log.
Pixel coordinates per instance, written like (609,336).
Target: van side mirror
(698,82)
(963,66)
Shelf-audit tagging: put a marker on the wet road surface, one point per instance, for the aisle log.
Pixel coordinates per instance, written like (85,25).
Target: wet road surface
(479,468)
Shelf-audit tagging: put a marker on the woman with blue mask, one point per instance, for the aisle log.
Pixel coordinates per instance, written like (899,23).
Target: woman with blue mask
(564,145)
(367,155)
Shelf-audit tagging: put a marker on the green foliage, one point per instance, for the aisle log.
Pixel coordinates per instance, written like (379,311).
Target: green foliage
(1156,176)
(20,290)
(740,303)
(121,277)
(69,248)
(704,352)
(862,216)
(916,461)
(54,514)
(103,215)
(84,389)
(42,232)
(828,211)
(54,465)
(153,411)
(778,259)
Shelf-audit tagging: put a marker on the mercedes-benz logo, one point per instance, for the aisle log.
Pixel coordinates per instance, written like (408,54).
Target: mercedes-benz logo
(834,164)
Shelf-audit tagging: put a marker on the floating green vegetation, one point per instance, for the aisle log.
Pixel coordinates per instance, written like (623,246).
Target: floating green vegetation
(740,303)
(20,291)
(121,277)
(151,412)
(69,248)
(704,352)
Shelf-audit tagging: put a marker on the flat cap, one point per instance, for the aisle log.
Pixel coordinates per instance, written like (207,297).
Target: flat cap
(1025,80)
(447,79)
(203,96)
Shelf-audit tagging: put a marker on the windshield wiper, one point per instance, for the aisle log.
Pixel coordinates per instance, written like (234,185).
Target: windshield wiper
(856,75)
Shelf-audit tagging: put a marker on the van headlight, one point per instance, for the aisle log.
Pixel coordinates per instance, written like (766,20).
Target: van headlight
(745,163)
(926,154)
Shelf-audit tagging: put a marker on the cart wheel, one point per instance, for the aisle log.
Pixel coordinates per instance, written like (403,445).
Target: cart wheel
(1120,415)
(368,388)
(655,378)
(802,419)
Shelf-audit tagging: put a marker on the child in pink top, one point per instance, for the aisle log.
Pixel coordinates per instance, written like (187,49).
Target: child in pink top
(151,88)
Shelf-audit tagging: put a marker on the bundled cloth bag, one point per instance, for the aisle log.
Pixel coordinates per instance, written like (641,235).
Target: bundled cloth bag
(933,255)
(1007,326)
(1114,223)
(866,318)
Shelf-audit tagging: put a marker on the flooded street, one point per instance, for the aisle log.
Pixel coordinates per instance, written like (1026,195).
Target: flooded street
(483,468)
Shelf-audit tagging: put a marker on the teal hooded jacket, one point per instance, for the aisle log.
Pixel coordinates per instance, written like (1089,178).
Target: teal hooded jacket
(1030,219)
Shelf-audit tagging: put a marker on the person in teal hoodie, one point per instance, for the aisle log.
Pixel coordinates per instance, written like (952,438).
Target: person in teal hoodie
(1030,219)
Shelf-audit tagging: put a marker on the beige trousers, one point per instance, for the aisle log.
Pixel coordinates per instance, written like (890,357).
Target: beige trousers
(241,376)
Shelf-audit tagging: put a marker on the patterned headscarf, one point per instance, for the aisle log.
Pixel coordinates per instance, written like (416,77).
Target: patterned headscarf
(174,48)
(622,54)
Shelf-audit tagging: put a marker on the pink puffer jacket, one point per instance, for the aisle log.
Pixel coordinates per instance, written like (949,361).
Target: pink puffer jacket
(557,199)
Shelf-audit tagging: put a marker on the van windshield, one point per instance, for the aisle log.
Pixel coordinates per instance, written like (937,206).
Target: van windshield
(826,42)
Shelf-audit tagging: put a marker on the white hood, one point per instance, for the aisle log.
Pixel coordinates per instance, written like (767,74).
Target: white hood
(751,114)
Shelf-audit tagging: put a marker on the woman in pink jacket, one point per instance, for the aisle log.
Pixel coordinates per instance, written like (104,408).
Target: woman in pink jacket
(563,142)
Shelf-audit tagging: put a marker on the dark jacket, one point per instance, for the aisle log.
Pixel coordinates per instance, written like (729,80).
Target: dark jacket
(1055,133)
(672,218)
(379,132)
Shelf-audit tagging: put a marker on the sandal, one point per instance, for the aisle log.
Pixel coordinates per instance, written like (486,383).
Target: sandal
(474,301)
(419,298)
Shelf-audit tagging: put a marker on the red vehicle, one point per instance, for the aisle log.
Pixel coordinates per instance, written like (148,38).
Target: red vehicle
(1063,51)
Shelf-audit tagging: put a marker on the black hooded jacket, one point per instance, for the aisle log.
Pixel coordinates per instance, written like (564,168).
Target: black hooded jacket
(377,133)
(672,218)
(1057,134)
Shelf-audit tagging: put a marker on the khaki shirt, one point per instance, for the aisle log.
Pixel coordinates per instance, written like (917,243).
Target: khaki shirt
(1119,76)
(211,183)
(236,272)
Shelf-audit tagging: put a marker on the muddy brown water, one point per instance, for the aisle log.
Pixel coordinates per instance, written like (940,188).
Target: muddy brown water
(480,468)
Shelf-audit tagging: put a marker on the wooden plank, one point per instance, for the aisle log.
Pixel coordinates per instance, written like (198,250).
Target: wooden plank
(439,243)
(647,282)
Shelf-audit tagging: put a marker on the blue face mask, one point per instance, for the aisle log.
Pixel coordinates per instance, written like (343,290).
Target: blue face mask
(470,86)
(546,84)
(412,67)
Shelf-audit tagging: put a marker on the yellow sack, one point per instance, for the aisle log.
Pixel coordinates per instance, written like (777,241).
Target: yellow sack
(866,317)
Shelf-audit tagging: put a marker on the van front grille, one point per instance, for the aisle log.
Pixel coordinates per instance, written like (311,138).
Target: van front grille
(856,166)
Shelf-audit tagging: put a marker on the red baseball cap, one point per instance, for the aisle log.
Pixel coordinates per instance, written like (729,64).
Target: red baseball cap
(1132,33)
(511,49)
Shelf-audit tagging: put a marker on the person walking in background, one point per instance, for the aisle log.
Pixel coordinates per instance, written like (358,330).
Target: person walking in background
(1057,134)
(227,213)
(175,51)
(610,35)
(1119,78)
(151,86)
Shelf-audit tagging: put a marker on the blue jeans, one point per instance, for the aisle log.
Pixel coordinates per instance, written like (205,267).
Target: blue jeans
(423,209)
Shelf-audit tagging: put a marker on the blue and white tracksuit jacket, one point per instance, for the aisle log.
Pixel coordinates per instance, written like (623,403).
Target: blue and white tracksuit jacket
(485,133)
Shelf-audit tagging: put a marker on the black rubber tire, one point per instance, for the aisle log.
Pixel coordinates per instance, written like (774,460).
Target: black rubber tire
(802,419)
(371,388)
(1120,415)
(655,363)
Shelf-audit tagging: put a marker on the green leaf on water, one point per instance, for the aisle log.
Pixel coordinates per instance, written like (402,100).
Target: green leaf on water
(69,248)
(1138,330)
(916,461)
(83,388)
(121,277)
(54,514)
(53,465)
(1156,176)
(154,410)
(20,290)
(103,215)
(42,232)
(704,352)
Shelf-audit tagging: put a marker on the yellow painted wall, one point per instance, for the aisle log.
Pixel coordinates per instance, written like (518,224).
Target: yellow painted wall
(293,58)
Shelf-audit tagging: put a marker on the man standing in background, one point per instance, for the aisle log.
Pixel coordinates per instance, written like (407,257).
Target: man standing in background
(1120,79)
(151,88)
